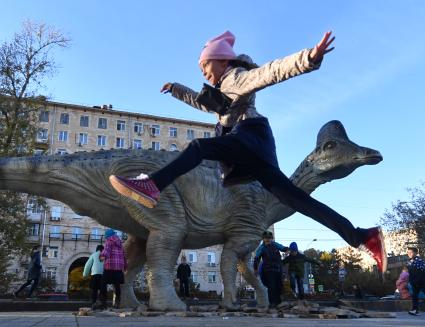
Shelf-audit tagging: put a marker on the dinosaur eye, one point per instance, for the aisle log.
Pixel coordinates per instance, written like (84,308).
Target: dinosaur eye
(329,145)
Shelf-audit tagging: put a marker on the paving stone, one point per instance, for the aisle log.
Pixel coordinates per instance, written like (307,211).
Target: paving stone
(377,314)
(203,308)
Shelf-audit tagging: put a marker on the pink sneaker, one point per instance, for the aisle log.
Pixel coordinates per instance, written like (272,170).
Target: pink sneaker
(375,247)
(143,191)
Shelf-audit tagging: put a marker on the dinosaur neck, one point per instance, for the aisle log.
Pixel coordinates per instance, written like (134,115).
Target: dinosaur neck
(305,178)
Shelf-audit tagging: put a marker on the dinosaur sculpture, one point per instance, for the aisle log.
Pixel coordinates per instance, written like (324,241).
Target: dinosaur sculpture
(194,212)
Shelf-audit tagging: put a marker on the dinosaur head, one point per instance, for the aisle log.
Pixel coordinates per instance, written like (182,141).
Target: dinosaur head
(336,156)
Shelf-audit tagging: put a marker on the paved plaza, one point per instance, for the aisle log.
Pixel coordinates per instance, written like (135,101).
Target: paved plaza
(67,319)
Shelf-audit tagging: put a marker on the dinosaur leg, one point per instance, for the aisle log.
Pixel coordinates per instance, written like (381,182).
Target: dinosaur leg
(163,249)
(228,264)
(135,250)
(248,274)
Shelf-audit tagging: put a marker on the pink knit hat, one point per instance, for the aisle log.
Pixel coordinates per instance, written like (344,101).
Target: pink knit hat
(221,47)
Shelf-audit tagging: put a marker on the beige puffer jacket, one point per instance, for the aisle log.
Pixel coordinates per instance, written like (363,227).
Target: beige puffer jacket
(240,85)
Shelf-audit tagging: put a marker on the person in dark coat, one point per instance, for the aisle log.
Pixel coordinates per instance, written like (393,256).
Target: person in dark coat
(183,275)
(296,262)
(34,272)
(271,275)
(416,277)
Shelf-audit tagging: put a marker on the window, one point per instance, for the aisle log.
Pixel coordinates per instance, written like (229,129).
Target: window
(207,135)
(34,207)
(155,146)
(173,147)
(212,277)
(55,212)
(211,257)
(76,233)
(173,132)
(52,252)
(102,123)
(34,230)
(138,128)
(190,134)
(95,234)
(82,138)
(44,116)
(155,130)
(51,272)
(137,144)
(84,121)
(101,140)
(76,216)
(55,231)
(42,135)
(120,142)
(194,276)
(63,136)
(64,119)
(192,256)
(120,125)
(61,151)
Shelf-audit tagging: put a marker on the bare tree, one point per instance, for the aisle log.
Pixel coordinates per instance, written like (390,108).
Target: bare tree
(409,216)
(26,61)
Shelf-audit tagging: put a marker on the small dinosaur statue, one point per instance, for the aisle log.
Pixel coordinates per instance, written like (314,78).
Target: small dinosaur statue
(196,211)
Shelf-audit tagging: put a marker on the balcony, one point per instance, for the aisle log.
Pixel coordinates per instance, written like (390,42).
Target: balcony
(211,264)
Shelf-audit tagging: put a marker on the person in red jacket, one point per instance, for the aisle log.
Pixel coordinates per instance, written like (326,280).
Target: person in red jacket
(115,264)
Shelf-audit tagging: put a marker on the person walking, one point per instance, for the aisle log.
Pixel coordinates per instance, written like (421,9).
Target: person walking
(115,264)
(296,261)
(244,144)
(183,275)
(34,272)
(94,268)
(269,255)
(416,267)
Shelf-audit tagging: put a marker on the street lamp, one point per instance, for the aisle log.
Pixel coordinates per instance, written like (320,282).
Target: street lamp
(313,240)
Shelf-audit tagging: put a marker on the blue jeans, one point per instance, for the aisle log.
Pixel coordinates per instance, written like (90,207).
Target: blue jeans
(297,280)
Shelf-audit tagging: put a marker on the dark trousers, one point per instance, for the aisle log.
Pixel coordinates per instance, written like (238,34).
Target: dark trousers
(229,149)
(296,280)
(184,287)
(96,285)
(273,281)
(28,282)
(416,289)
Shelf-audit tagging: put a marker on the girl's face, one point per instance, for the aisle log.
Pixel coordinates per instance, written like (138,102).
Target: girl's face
(213,69)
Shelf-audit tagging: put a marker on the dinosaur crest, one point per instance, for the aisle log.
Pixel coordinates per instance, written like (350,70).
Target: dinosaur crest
(333,130)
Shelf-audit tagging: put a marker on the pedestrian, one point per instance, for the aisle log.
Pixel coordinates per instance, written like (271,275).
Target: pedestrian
(296,261)
(358,294)
(183,275)
(34,272)
(115,264)
(94,268)
(244,143)
(416,268)
(402,284)
(269,255)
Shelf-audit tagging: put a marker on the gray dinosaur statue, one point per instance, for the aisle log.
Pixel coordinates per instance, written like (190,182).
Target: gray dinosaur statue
(196,211)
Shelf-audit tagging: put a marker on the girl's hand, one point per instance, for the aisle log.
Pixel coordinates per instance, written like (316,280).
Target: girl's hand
(322,47)
(166,88)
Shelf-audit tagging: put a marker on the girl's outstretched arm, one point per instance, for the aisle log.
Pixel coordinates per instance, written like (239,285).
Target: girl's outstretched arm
(185,94)
(279,70)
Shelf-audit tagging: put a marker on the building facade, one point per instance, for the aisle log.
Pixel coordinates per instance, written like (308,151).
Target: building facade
(68,239)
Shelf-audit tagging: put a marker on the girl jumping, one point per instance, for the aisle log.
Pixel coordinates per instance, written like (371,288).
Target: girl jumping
(245,146)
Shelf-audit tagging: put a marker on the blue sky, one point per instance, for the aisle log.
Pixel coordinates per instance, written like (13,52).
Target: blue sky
(123,51)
